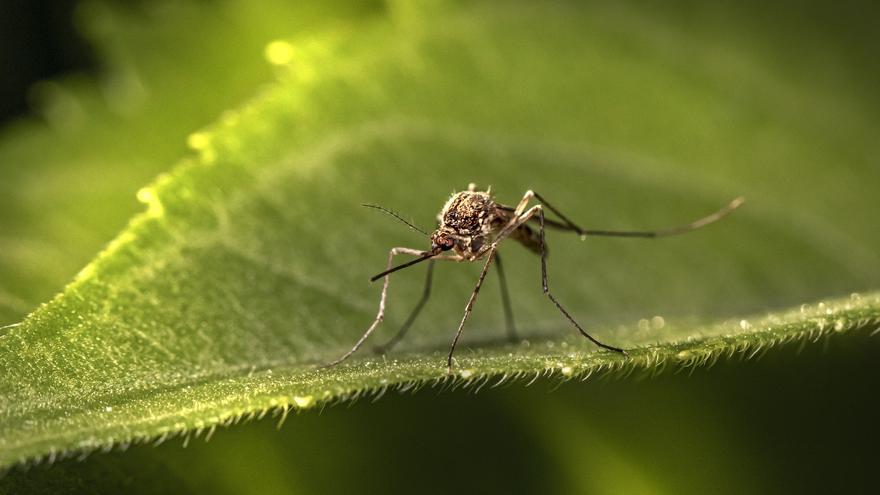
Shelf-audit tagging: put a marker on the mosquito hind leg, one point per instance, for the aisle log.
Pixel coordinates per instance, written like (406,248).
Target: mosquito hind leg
(567,224)
(539,211)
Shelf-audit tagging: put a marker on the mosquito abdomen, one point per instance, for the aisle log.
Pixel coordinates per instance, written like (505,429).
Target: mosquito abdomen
(528,238)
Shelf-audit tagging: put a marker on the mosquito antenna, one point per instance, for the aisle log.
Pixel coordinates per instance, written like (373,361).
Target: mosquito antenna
(395,215)
(405,265)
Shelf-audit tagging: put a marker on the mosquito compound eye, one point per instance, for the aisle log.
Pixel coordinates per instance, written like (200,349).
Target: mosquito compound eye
(442,242)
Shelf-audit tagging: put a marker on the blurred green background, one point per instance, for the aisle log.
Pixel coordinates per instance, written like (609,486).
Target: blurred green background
(791,422)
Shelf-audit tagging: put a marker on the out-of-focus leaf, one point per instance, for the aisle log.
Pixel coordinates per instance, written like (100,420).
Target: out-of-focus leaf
(68,178)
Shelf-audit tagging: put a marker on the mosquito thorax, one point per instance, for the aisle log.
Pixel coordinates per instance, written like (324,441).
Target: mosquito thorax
(468,213)
(468,218)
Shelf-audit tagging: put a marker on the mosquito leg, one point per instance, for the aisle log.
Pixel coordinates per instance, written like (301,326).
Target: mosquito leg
(426,293)
(546,287)
(469,307)
(381,314)
(413,315)
(505,300)
(680,229)
(518,218)
(521,206)
(538,211)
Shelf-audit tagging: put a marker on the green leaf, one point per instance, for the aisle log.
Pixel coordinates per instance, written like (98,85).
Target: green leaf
(249,265)
(69,177)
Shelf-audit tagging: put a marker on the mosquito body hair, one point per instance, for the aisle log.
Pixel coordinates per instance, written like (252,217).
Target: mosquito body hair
(395,215)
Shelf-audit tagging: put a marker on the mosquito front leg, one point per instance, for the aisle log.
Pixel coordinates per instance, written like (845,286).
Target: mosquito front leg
(381,314)
(426,293)
(469,307)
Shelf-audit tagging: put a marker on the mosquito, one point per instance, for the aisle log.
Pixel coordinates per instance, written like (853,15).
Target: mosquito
(472,225)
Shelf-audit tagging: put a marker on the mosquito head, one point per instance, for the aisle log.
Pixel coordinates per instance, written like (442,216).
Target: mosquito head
(441,242)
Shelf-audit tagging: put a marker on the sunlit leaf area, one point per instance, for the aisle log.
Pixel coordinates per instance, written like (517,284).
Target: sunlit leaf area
(183,248)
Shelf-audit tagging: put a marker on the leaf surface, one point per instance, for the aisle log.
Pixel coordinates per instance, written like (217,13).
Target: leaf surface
(249,266)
